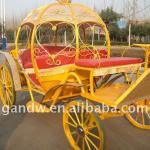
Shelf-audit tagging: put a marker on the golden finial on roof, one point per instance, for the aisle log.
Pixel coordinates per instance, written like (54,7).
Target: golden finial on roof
(64,1)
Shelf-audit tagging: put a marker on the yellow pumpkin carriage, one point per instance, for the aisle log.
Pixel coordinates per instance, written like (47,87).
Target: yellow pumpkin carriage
(56,55)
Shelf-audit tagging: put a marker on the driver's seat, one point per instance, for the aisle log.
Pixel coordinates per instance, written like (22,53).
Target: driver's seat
(107,62)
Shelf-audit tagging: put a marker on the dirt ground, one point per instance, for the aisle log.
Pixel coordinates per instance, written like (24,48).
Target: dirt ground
(45,132)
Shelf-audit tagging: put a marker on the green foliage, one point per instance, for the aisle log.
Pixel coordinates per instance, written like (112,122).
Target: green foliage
(118,35)
(10,35)
(141,30)
(111,17)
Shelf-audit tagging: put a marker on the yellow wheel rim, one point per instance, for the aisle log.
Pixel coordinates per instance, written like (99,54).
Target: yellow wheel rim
(82,128)
(141,117)
(7,94)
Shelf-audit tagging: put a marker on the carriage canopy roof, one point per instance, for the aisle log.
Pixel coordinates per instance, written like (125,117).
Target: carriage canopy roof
(62,11)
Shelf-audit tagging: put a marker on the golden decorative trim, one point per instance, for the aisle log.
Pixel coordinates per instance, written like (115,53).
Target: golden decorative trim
(64,1)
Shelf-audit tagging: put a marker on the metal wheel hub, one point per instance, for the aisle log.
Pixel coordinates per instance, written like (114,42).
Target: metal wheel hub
(81,131)
(3,87)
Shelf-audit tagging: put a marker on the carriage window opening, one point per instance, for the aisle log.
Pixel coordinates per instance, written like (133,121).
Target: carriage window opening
(45,35)
(65,36)
(55,35)
(24,37)
(91,34)
(54,38)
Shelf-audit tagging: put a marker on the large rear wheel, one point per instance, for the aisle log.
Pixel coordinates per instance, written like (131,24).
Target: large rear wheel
(82,128)
(141,116)
(7,90)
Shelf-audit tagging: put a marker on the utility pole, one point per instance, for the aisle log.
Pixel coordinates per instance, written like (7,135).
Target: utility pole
(134,9)
(104,4)
(1,20)
(3,24)
(132,18)
(130,25)
(94,6)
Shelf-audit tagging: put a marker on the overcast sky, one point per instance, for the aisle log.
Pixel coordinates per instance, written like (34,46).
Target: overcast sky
(18,8)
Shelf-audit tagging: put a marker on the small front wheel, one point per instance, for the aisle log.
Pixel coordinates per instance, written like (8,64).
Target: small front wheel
(82,128)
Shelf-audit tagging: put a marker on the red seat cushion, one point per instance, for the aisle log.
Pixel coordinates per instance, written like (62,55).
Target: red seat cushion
(45,62)
(107,62)
(25,58)
(28,65)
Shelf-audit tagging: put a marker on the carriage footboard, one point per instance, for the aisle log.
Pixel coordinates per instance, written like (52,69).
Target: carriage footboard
(139,90)
(120,94)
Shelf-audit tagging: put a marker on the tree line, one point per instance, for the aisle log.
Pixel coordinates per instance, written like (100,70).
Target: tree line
(140,32)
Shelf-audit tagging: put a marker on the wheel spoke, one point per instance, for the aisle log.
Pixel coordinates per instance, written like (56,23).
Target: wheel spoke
(8,86)
(137,116)
(3,75)
(82,117)
(72,118)
(8,80)
(93,135)
(1,81)
(83,144)
(8,98)
(9,91)
(69,123)
(87,143)
(92,143)
(74,133)
(91,127)
(148,108)
(78,138)
(77,117)
(2,98)
(87,119)
(143,120)
(148,114)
